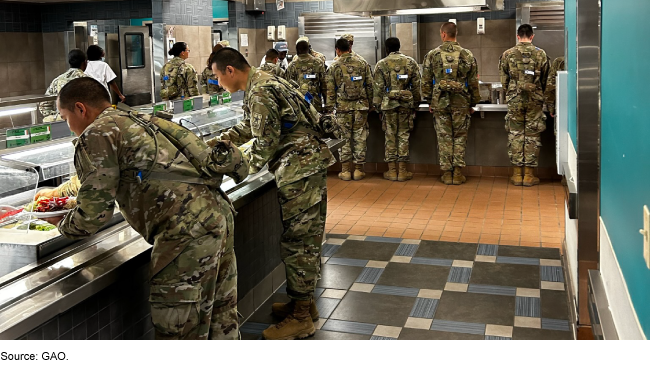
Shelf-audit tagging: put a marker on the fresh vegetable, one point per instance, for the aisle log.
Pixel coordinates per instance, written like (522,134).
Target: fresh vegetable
(37,225)
(51,204)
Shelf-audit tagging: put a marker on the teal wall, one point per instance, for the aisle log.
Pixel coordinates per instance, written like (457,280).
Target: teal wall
(219,9)
(139,21)
(571,57)
(625,136)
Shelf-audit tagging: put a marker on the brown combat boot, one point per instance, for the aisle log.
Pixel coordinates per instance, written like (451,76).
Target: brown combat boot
(296,326)
(516,179)
(458,177)
(345,172)
(391,174)
(529,177)
(358,172)
(447,178)
(283,310)
(403,174)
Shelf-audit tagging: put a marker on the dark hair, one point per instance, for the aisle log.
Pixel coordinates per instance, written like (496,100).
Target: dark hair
(525,31)
(302,47)
(214,49)
(449,28)
(392,44)
(94,53)
(76,58)
(229,57)
(343,45)
(84,90)
(271,54)
(177,49)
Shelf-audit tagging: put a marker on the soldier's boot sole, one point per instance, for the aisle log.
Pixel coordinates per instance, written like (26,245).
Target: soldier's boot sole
(282,310)
(528,182)
(457,180)
(516,180)
(390,176)
(405,177)
(293,330)
(345,176)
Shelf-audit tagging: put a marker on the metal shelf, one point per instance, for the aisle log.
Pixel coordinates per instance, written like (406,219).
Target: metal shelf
(51,161)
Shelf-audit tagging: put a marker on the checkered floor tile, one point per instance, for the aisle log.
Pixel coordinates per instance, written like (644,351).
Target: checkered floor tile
(377,288)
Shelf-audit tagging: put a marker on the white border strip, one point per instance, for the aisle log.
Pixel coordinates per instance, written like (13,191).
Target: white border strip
(618,296)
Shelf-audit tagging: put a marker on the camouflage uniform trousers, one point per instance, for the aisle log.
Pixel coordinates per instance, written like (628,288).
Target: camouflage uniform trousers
(354,131)
(525,123)
(195,296)
(304,208)
(452,126)
(397,124)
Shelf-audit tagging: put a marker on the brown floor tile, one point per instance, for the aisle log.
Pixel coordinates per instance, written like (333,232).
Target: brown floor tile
(489,238)
(451,229)
(469,238)
(412,234)
(509,242)
(392,232)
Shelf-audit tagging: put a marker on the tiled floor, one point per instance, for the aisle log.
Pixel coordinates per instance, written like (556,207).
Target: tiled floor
(483,210)
(382,288)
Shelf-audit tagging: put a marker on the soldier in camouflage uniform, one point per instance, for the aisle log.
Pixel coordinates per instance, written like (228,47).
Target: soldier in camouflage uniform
(309,73)
(524,72)
(271,65)
(318,55)
(350,38)
(78,62)
(450,83)
(286,136)
(397,94)
(168,196)
(558,65)
(209,82)
(177,78)
(350,92)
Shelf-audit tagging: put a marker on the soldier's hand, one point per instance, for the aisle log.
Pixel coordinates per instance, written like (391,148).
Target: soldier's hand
(122,98)
(54,220)
(471,110)
(552,115)
(430,109)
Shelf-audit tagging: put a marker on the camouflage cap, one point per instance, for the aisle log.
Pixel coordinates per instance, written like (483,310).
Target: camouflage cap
(349,37)
(225,43)
(306,39)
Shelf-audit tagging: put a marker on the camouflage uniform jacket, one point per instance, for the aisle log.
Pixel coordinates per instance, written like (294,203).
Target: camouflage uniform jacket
(433,72)
(318,55)
(48,108)
(558,65)
(313,80)
(208,80)
(336,94)
(273,68)
(178,79)
(516,80)
(167,213)
(396,82)
(354,54)
(271,107)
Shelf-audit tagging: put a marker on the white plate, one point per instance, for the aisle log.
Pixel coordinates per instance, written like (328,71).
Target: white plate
(46,214)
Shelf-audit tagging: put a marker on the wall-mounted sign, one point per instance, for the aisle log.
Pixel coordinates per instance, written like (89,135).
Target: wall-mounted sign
(279,4)
(243,40)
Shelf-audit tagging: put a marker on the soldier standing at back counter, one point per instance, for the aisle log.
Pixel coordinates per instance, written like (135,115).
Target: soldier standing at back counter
(524,73)
(178,78)
(209,82)
(450,83)
(309,73)
(397,94)
(162,194)
(287,137)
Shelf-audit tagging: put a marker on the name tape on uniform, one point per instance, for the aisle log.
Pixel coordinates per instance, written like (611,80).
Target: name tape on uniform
(310,76)
(356,78)
(402,77)
(449,70)
(529,72)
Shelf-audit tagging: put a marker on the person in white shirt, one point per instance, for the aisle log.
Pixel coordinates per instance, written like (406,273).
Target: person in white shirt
(101,71)
(282,60)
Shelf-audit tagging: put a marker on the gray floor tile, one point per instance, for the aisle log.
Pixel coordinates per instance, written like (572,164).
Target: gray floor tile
(349,327)
(369,275)
(330,335)
(476,308)
(383,239)
(382,338)
(487,250)
(552,273)
(395,290)
(459,327)
(251,336)
(424,308)
(555,324)
(521,276)
(532,252)
(447,250)
(430,261)
(318,292)
(554,304)
(388,310)
(338,276)
(517,260)
(337,235)
(492,289)
(329,250)
(459,275)
(414,276)
(527,307)
(416,334)
(253,328)
(365,250)
(521,333)
(346,262)
(326,306)
(497,338)
(405,249)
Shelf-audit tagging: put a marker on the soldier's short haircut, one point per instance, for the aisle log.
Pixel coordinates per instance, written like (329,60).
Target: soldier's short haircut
(76,58)
(85,90)
(343,45)
(302,47)
(450,29)
(229,57)
(272,53)
(94,53)
(525,31)
(392,44)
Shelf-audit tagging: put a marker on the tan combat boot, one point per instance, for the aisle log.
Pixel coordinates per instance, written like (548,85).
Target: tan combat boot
(516,179)
(358,172)
(403,174)
(283,310)
(447,178)
(458,177)
(391,174)
(345,172)
(529,177)
(296,326)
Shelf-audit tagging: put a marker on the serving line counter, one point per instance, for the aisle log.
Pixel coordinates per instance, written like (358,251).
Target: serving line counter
(487,144)
(96,288)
